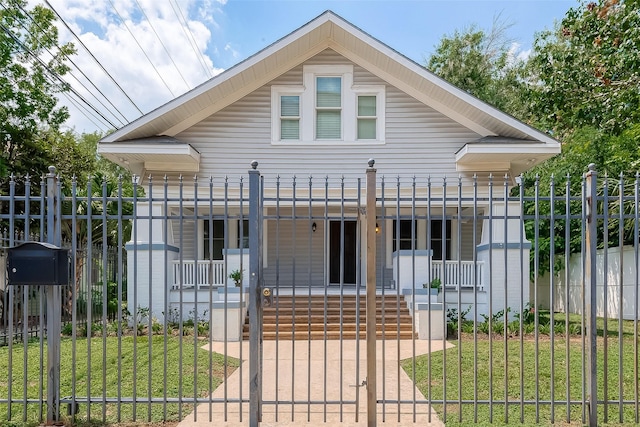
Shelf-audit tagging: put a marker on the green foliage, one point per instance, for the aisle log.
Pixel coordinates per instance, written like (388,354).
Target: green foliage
(480,62)
(435,284)
(28,85)
(585,72)
(236,276)
(97,300)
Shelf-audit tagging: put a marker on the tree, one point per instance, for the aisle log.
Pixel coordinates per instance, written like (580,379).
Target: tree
(31,62)
(482,63)
(586,71)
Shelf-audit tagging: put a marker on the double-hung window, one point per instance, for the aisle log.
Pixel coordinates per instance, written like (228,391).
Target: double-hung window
(290,117)
(328,108)
(366,117)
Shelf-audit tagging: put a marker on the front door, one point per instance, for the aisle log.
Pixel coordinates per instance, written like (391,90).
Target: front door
(342,247)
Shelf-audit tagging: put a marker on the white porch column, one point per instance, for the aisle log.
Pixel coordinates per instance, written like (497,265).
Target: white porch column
(500,249)
(149,261)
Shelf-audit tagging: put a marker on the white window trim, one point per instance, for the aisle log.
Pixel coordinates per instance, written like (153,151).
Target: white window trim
(379,93)
(276,93)
(307,94)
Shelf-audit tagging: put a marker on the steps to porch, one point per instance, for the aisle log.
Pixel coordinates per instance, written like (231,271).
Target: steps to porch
(337,317)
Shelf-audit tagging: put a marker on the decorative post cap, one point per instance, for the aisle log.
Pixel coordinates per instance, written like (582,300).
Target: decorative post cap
(254,165)
(371,162)
(592,167)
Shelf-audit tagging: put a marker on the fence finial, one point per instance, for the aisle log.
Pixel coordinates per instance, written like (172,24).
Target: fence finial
(592,167)
(371,162)
(52,171)
(254,165)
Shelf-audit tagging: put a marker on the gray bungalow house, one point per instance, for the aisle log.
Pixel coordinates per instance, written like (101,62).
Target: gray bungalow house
(320,102)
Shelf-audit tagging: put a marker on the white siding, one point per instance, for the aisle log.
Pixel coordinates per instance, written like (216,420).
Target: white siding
(419,140)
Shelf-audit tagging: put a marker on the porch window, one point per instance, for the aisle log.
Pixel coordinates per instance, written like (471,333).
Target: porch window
(437,238)
(408,238)
(243,233)
(213,239)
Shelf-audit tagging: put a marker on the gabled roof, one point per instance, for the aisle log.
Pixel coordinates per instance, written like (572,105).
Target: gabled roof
(328,31)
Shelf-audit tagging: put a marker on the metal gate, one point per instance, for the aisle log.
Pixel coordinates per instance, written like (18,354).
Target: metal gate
(474,299)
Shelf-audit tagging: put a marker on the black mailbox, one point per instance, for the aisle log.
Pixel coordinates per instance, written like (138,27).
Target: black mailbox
(36,263)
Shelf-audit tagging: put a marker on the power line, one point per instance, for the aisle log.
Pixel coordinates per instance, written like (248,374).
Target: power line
(93,57)
(77,68)
(51,72)
(163,45)
(142,49)
(184,24)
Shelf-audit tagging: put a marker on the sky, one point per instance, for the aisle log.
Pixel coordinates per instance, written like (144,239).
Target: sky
(137,55)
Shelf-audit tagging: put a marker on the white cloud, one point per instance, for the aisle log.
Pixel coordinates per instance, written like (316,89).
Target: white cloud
(515,54)
(123,47)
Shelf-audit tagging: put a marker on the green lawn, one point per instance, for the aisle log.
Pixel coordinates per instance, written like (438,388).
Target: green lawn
(462,380)
(119,377)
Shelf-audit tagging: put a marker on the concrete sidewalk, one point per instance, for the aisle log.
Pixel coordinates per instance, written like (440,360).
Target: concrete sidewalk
(307,367)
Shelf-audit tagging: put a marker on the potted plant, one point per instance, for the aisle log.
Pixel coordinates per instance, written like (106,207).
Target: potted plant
(435,286)
(236,276)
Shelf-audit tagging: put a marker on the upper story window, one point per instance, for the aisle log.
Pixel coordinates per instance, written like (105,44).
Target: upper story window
(328,109)
(290,117)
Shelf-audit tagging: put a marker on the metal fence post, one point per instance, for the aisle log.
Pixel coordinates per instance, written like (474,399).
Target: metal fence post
(255,299)
(371,296)
(590,293)
(54,304)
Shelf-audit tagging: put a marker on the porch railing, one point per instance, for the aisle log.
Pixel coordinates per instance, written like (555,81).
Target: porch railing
(192,273)
(458,273)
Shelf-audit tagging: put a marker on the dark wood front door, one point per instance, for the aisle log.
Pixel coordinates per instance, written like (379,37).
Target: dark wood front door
(342,249)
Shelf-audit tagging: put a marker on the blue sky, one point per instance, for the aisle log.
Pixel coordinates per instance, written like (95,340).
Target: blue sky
(411,27)
(145,48)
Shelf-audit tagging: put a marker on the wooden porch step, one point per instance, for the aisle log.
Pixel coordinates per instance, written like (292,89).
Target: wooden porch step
(334,318)
(332,335)
(312,317)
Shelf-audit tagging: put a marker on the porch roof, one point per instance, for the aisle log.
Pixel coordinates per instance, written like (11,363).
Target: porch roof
(154,154)
(499,154)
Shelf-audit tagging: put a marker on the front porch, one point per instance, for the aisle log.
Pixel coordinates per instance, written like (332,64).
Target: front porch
(454,274)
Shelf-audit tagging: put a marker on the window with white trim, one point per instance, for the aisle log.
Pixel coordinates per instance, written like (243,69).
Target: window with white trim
(328,108)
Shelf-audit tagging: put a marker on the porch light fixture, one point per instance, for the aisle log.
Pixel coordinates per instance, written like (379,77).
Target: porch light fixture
(313,227)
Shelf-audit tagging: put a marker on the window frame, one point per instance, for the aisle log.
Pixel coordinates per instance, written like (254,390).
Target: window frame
(349,107)
(277,92)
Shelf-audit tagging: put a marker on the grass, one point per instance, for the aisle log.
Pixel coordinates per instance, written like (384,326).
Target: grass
(499,376)
(111,375)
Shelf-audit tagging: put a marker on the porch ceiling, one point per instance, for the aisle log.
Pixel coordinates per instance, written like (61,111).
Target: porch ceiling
(163,154)
(503,155)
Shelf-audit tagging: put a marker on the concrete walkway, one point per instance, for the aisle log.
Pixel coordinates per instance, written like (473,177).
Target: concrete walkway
(308,367)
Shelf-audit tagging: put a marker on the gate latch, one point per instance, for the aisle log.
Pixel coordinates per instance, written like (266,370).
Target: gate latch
(364,384)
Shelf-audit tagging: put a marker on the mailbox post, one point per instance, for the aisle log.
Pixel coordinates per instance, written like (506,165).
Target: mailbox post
(44,264)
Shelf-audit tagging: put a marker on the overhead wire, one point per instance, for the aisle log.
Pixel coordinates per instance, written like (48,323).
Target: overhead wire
(163,45)
(142,49)
(67,57)
(51,73)
(184,24)
(75,36)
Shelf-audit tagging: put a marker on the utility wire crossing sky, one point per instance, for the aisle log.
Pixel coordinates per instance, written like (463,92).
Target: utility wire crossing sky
(134,56)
